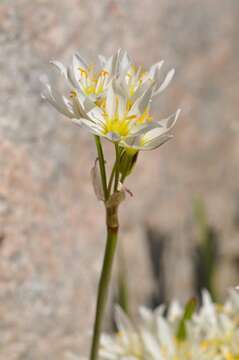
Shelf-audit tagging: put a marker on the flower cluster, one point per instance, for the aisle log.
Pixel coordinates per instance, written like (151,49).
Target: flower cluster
(211,333)
(114,100)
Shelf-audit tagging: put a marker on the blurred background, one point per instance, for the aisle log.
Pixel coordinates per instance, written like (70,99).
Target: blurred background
(180,230)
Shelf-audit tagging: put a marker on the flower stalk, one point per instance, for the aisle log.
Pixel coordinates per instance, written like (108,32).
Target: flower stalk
(103,289)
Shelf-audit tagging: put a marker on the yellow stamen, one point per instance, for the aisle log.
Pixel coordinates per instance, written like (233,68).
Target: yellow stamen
(115,125)
(83,72)
(104,73)
(145,117)
(230,356)
(73,93)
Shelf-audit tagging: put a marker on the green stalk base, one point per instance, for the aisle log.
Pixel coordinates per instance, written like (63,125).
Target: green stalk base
(103,288)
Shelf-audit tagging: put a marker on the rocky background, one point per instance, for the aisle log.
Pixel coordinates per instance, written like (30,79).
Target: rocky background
(52,227)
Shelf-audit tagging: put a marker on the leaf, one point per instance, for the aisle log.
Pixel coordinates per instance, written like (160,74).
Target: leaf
(189,309)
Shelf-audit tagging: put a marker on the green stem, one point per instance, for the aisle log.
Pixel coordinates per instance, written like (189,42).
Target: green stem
(111,179)
(117,163)
(112,232)
(102,165)
(123,293)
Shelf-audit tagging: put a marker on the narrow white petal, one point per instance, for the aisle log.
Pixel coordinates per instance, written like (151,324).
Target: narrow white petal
(157,142)
(72,79)
(78,106)
(60,67)
(112,136)
(88,125)
(165,335)
(141,90)
(155,69)
(136,129)
(125,62)
(141,103)
(122,321)
(96,115)
(102,60)
(81,62)
(87,103)
(112,63)
(76,65)
(170,121)
(121,98)
(135,143)
(55,99)
(115,62)
(146,314)
(166,82)
(108,64)
(62,110)
(110,102)
(152,345)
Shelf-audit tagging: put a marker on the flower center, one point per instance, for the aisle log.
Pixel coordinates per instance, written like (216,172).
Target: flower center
(119,127)
(92,82)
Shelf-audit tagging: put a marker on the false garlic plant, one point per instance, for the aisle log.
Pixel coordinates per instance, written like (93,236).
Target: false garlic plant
(113,102)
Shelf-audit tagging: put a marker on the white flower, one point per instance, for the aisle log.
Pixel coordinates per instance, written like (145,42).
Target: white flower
(114,102)
(212,334)
(131,126)
(116,120)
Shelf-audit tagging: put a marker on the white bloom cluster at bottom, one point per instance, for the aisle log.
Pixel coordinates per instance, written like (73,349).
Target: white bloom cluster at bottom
(211,333)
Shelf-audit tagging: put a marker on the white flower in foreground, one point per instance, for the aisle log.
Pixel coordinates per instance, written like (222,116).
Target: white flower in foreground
(115,101)
(212,334)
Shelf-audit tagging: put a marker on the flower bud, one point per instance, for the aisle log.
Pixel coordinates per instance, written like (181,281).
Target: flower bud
(127,161)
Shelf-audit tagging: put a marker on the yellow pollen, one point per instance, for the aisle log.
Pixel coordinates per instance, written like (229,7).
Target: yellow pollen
(89,90)
(101,103)
(145,117)
(104,73)
(73,93)
(83,72)
(120,127)
(230,356)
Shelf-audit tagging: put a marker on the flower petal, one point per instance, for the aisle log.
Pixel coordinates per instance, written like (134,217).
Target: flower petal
(58,101)
(60,67)
(165,83)
(170,121)
(88,125)
(80,61)
(154,69)
(110,105)
(142,102)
